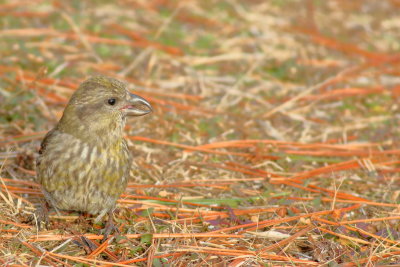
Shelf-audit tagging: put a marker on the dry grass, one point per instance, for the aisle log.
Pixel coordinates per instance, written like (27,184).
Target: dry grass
(274,139)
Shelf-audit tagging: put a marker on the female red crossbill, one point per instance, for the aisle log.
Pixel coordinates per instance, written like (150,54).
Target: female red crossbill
(84,162)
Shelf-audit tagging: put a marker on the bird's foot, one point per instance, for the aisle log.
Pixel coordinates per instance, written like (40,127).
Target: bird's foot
(110,227)
(41,216)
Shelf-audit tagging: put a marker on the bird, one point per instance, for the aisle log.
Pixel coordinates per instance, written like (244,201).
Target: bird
(84,161)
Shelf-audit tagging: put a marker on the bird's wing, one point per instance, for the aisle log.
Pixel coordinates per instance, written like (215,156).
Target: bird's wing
(45,141)
(42,150)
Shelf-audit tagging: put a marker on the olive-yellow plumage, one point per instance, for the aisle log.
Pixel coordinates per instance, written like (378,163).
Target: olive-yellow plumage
(84,162)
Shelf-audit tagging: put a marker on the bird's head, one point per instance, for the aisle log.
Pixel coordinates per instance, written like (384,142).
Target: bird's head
(99,106)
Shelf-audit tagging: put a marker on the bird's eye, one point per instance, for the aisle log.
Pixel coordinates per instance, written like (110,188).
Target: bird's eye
(111,101)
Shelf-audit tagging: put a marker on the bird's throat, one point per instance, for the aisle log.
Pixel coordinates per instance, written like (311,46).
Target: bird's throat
(97,130)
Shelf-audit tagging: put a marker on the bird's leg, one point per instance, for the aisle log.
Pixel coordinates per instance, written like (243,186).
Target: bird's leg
(42,215)
(110,226)
(42,211)
(50,199)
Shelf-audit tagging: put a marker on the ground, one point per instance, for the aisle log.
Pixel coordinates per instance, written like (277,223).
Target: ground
(274,138)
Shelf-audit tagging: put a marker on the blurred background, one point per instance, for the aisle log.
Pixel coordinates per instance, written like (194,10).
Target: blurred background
(287,107)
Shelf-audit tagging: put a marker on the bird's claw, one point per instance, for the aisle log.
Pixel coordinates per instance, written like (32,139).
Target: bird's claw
(41,216)
(109,228)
